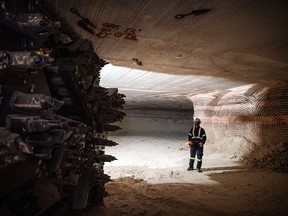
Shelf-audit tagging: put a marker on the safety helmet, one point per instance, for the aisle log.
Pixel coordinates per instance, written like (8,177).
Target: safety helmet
(197,120)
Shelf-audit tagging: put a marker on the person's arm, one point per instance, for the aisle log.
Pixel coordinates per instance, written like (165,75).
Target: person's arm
(190,135)
(204,137)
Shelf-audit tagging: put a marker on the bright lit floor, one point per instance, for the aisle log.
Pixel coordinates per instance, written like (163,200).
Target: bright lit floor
(163,160)
(150,178)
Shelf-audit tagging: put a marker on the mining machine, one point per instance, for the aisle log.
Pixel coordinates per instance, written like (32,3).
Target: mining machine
(54,115)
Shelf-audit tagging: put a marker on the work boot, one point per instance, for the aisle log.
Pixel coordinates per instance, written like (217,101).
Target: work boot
(190,169)
(199,170)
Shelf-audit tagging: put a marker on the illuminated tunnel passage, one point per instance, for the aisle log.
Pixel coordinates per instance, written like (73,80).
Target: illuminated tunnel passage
(241,125)
(159,116)
(241,120)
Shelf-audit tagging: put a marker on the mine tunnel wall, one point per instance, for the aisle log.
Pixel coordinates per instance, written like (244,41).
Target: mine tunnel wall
(251,125)
(156,124)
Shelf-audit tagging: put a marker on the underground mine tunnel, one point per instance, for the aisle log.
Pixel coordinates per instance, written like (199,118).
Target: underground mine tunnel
(224,62)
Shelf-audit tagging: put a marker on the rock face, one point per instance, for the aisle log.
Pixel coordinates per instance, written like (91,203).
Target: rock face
(251,124)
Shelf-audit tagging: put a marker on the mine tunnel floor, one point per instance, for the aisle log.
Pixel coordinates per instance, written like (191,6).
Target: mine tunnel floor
(150,178)
(165,160)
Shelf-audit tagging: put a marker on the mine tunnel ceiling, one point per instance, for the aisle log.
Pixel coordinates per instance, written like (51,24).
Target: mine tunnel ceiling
(236,39)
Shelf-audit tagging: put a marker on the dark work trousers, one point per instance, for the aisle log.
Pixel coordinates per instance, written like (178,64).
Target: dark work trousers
(196,149)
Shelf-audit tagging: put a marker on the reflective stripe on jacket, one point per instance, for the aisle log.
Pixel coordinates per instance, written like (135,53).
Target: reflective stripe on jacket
(197,134)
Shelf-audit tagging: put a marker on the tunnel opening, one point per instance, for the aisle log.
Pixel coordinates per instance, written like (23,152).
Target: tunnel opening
(246,124)
(242,121)
(160,110)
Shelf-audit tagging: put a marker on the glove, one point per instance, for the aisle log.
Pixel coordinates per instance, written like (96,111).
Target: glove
(201,144)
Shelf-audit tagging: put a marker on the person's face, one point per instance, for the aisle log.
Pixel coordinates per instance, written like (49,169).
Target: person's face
(196,123)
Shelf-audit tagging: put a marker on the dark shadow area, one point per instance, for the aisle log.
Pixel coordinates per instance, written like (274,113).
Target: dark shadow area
(244,192)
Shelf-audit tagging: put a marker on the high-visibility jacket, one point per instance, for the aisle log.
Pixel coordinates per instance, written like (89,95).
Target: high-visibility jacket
(197,134)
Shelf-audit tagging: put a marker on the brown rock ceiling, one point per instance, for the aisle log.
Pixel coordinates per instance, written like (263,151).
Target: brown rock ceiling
(236,39)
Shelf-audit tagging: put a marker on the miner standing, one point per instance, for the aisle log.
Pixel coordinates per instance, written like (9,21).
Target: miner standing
(196,141)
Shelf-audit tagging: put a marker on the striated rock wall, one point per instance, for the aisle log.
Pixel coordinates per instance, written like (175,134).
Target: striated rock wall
(249,123)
